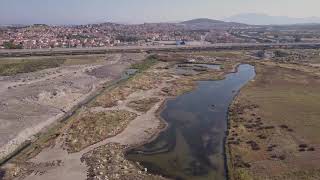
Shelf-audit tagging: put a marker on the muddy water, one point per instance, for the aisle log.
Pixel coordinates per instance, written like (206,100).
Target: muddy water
(192,148)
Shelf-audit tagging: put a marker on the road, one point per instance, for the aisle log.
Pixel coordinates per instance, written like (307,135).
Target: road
(119,49)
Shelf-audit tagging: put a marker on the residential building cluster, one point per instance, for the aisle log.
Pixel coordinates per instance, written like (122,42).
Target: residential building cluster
(96,35)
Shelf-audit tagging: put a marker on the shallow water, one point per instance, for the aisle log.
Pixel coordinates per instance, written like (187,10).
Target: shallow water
(210,66)
(193,145)
(195,68)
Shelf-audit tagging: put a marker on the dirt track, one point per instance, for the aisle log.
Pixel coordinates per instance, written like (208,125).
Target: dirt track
(100,154)
(137,132)
(31,101)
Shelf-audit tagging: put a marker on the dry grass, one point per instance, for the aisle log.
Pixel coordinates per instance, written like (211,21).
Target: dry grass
(143,105)
(222,54)
(28,65)
(274,126)
(83,59)
(94,127)
(12,66)
(144,81)
(108,162)
(110,99)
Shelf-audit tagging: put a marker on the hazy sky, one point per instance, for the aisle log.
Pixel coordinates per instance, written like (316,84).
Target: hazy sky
(137,11)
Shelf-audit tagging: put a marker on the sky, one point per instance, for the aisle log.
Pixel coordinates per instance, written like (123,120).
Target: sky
(139,11)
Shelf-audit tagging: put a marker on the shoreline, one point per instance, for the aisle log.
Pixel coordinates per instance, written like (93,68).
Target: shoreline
(156,134)
(166,124)
(226,149)
(160,125)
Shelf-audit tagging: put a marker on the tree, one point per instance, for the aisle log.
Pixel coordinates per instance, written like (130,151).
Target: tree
(297,39)
(279,53)
(261,54)
(11,45)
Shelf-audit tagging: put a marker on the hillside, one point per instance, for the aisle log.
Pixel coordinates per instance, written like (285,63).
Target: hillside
(264,19)
(204,23)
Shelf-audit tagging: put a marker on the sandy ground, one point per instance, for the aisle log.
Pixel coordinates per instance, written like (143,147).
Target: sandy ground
(31,101)
(142,129)
(138,131)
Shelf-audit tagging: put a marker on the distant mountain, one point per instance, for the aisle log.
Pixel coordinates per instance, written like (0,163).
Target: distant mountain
(264,19)
(12,25)
(204,23)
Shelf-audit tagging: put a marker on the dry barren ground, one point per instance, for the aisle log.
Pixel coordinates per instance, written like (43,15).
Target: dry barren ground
(36,91)
(102,135)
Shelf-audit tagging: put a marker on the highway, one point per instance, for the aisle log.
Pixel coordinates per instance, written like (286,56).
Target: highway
(173,48)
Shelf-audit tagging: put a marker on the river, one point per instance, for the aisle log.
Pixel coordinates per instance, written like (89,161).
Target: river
(192,147)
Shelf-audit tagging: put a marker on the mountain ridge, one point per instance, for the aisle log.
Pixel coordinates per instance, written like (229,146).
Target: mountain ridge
(206,23)
(201,20)
(265,19)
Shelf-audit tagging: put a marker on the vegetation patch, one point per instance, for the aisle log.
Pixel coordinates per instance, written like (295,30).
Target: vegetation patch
(110,99)
(143,105)
(242,174)
(16,65)
(144,81)
(274,124)
(222,54)
(145,64)
(94,127)
(26,66)
(83,59)
(108,162)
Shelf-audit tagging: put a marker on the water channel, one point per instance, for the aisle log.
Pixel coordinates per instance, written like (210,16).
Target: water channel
(192,147)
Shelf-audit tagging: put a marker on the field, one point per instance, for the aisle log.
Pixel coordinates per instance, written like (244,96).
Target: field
(274,125)
(143,105)
(94,127)
(221,54)
(28,66)
(13,66)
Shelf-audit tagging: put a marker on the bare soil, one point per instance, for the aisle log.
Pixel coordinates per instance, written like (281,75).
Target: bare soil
(102,156)
(34,100)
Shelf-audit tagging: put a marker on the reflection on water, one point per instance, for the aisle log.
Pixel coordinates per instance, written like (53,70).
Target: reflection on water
(192,147)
